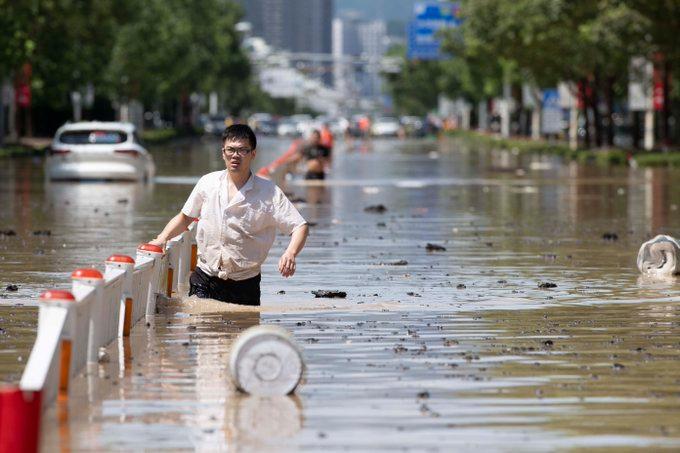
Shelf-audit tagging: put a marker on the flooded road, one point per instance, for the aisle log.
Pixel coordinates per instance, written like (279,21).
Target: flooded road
(431,350)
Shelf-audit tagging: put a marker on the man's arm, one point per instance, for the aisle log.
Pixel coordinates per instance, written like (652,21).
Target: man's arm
(297,242)
(176,226)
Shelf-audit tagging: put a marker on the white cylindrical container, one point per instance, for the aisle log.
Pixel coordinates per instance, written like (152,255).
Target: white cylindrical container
(659,256)
(266,361)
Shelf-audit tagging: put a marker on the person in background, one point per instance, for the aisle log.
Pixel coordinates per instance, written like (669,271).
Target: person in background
(314,154)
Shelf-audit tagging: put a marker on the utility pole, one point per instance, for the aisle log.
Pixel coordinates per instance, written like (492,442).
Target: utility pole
(505,105)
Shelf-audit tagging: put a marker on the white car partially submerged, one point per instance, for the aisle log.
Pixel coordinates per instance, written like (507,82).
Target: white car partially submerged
(98,151)
(385,127)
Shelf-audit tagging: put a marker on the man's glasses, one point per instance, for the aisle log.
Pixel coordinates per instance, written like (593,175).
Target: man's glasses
(240,151)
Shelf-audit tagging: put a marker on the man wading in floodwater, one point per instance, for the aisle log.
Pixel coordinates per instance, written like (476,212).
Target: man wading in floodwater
(239,214)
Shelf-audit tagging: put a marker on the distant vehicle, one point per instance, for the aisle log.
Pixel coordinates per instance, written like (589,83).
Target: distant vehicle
(267,127)
(287,128)
(98,151)
(214,124)
(263,123)
(413,126)
(385,127)
(303,123)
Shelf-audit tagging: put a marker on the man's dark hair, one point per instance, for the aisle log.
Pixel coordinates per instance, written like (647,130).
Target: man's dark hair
(240,132)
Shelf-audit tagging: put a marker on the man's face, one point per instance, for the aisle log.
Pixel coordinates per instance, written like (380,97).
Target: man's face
(237,155)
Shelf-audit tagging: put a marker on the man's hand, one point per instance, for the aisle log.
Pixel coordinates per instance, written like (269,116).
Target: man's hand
(287,264)
(158,242)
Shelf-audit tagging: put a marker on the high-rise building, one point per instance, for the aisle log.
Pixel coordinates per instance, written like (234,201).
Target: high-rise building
(293,25)
(354,37)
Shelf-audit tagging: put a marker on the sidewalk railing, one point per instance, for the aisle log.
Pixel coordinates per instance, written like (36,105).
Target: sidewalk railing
(74,325)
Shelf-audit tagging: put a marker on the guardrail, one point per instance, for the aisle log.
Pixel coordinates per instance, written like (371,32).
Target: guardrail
(74,325)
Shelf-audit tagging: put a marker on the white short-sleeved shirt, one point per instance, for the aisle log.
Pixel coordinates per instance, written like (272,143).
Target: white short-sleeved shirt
(234,236)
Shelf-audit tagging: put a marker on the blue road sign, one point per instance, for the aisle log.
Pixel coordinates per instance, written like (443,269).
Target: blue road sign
(429,18)
(551,115)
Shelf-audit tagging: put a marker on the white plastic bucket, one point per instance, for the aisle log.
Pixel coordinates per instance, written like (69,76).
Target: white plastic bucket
(266,361)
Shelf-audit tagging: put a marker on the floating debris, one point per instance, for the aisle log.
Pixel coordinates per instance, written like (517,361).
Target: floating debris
(435,248)
(42,233)
(376,209)
(8,233)
(546,285)
(610,236)
(460,286)
(396,263)
(103,356)
(12,288)
(331,294)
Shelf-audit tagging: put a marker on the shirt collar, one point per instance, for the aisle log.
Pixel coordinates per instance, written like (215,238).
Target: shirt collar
(247,186)
(249,183)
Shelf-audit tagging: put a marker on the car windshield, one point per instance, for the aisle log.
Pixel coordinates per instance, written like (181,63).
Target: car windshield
(93,137)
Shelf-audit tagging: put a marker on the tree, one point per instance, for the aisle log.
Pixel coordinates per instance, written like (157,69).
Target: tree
(173,48)
(415,89)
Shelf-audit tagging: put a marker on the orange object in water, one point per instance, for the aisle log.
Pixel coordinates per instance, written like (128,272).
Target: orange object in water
(64,366)
(127,320)
(364,124)
(282,160)
(326,138)
(168,290)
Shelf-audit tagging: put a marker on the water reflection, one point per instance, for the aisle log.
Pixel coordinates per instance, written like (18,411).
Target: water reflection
(430,350)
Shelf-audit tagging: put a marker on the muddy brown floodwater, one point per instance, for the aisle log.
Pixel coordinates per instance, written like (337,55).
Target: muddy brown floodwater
(523,326)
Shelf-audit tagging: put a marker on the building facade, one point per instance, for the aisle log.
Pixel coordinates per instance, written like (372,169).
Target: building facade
(299,26)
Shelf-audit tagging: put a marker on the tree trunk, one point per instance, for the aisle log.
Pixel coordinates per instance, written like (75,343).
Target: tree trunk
(594,103)
(636,129)
(586,116)
(2,112)
(666,112)
(609,97)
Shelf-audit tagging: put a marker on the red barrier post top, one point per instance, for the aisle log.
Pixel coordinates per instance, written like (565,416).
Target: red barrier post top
(123,259)
(151,248)
(57,295)
(87,274)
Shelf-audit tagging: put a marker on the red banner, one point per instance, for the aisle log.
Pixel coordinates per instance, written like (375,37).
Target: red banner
(658,93)
(22,94)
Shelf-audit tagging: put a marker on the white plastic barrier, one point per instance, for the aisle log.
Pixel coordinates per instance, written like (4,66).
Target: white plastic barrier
(43,369)
(72,326)
(141,280)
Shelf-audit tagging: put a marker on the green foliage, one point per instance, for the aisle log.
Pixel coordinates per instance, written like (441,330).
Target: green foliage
(415,88)
(173,47)
(19,151)
(156,51)
(600,157)
(670,159)
(158,136)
